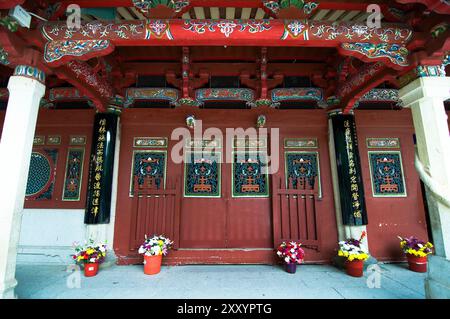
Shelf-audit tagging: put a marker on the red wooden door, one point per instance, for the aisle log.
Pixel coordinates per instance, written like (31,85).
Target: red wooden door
(227,220)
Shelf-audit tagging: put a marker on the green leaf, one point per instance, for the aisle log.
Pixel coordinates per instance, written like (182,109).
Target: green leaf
(284,3)
(9,23)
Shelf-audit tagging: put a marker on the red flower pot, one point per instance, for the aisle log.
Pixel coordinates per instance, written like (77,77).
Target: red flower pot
(90,269)
(354,268)
(290,268)
(152,264)
(417,264)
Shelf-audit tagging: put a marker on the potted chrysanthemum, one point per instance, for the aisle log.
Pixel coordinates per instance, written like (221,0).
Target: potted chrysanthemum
(153,249)
(292,254)
(416,251)
(355,255)
(91,255)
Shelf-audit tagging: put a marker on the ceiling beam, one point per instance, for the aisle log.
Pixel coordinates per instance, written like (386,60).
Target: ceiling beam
(224,69)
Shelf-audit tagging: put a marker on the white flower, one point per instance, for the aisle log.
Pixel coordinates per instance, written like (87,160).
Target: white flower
(92,260)
(141,250)
(286,259)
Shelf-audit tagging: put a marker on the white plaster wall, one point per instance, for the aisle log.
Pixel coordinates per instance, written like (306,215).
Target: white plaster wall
(47,235)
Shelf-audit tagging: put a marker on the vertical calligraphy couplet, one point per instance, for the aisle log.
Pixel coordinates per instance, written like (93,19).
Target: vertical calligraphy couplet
(101,167)
(351,189)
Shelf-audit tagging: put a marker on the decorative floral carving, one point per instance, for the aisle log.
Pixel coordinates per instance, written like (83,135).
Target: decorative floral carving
(188,101)
(395,53)
(145,5)
(95,30)
(358,32)
(55,50)
(74,173)
(202,174)
(297,94)
(227,27)
(229,94)
(275,6)
(151,94)
(149,167)
(250,177)
(295,28)
(386,172)
(385,95)
(302,168)
(157,28)
(263,102)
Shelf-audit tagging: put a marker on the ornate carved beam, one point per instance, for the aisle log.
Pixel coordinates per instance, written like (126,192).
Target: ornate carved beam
(368,77)
(222,32)
(88,82)
(80,74)
(225,68)
(385,44)
(394,55)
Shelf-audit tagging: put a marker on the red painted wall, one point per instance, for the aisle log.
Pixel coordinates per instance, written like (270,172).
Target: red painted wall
(65,123)
(390,217)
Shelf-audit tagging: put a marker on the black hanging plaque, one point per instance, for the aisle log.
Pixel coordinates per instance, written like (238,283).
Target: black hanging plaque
(101,166)
(351,189)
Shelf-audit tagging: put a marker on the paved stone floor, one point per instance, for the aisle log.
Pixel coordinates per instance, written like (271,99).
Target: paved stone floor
(218,281)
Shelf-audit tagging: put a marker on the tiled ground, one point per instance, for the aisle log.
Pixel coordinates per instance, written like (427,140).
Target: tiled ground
(218,281)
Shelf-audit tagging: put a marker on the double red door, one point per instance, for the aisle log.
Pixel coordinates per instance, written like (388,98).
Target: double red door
(238,215)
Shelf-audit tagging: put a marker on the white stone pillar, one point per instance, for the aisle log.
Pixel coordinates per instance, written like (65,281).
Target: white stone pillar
(26,88)
(425,97)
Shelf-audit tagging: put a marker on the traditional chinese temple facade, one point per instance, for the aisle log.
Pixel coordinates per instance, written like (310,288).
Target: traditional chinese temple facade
(351,97)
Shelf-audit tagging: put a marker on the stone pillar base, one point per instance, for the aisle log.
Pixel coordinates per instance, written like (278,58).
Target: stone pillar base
(437,283)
